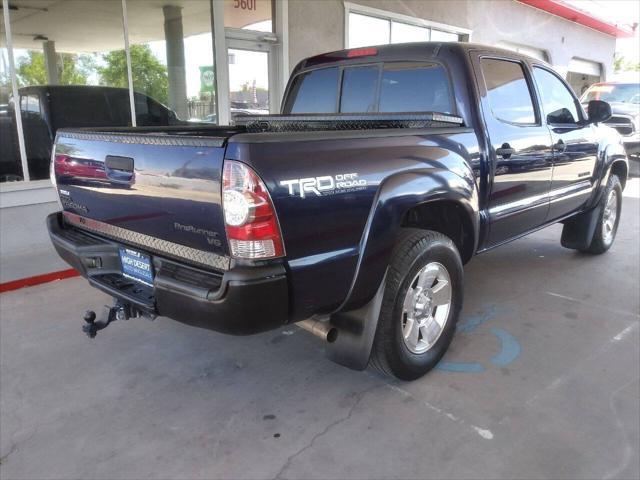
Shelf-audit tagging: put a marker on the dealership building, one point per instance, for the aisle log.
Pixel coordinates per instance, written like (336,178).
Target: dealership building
(208,60)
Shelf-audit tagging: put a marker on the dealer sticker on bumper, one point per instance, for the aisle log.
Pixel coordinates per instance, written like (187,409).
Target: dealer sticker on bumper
(136,266)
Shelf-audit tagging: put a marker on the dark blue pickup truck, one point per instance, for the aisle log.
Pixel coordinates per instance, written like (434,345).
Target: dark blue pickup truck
(352,212)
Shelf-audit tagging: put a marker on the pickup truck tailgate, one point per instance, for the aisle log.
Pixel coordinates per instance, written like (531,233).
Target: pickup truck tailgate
(157,192)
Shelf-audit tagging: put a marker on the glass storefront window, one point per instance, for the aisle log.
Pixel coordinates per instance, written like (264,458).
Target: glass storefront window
(366,30)
(405,33)
(71,69)
(440,36)
(64,61)
(172,62)
(254,15)
(10,164)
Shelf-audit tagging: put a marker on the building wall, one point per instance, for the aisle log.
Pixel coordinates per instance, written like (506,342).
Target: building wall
(25,248)
(317,26)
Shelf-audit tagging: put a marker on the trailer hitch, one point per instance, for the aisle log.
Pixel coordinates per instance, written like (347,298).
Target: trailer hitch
(120,311)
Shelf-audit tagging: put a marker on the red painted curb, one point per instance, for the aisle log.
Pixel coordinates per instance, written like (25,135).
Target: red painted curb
(37,280)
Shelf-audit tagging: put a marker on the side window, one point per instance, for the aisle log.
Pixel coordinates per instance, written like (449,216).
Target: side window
(558,103)
(30,104)
(359,86)
(416,89)
(508,91)
(314,92)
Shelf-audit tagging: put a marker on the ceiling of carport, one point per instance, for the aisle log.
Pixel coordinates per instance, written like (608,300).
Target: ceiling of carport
(96,26)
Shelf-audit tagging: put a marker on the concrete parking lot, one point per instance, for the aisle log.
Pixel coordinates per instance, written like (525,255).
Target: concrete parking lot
(542,381)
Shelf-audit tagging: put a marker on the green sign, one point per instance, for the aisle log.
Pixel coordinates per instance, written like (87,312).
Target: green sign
(207,79)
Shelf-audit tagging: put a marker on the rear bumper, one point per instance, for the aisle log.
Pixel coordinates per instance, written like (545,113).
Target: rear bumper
(240,301)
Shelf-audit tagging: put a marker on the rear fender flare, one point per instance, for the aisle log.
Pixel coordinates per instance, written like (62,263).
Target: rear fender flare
(396,195)
(611,154)
(357,320)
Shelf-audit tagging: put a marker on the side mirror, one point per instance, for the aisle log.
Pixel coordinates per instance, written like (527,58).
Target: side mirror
(598,111)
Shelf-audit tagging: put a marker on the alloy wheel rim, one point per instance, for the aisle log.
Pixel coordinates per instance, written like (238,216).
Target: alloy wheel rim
(425,309)
(610,216)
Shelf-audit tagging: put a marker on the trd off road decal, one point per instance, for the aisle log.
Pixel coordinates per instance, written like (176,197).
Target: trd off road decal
(325,185)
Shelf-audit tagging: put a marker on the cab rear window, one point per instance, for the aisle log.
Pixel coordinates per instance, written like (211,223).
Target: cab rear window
(389,88)
(315,92)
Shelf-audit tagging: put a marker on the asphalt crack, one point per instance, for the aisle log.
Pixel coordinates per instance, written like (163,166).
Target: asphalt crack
(326,430)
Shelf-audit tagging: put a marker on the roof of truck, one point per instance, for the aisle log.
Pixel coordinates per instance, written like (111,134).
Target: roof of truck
(407,51)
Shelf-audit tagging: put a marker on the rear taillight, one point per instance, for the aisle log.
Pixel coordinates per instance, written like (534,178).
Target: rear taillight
(250,219)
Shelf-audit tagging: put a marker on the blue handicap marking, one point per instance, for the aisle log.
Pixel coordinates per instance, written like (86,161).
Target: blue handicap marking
(462,367)
(474,321)
(509,347)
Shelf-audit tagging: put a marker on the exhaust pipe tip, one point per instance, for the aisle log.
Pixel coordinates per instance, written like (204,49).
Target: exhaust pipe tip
(321,329)
(332,335)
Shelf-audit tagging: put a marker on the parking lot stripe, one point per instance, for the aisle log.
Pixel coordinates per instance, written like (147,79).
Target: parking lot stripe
(37,280)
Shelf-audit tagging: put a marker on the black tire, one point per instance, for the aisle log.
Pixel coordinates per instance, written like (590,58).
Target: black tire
(414,250)
(601,242)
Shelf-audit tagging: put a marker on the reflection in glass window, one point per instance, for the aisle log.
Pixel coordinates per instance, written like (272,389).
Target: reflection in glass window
(10,164)
(69,55)
(405,33)
(365,30)
(558,103)
(359,85)
(30,104)
(508,91)
(314,92)
(421,89)
(249,14)
(172,62)
(248,83)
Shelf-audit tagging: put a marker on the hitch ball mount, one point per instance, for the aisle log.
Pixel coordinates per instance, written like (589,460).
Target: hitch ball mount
(119,311)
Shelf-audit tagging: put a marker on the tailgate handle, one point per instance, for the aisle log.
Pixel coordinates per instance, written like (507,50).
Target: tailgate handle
(124,164)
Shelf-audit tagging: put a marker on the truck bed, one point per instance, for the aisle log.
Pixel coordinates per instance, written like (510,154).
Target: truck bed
(159,188)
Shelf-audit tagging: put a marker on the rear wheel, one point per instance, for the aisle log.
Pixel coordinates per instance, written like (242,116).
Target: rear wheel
(421,304)
(610,206)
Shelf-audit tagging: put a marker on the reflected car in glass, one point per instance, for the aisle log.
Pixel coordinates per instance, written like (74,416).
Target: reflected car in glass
(45,109)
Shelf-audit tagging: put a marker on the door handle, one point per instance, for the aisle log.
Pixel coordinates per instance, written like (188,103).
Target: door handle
(559,146)
(505,151)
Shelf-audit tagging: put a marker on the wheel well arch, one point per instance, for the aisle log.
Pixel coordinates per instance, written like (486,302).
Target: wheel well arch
(447,217)
(619,168)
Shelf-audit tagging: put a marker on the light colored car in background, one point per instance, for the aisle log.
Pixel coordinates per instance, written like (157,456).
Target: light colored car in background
(624,98)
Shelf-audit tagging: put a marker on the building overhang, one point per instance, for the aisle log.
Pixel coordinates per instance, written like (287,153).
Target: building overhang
(566,11)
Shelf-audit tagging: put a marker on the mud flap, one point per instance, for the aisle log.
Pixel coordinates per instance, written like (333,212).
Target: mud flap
(578,231)
(356,332)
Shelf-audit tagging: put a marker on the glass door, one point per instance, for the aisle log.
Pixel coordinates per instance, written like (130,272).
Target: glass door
(250,78)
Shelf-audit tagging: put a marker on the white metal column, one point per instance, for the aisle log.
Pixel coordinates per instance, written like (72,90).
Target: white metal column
(14,89)
(221,63)
(282,49)
(127,52)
